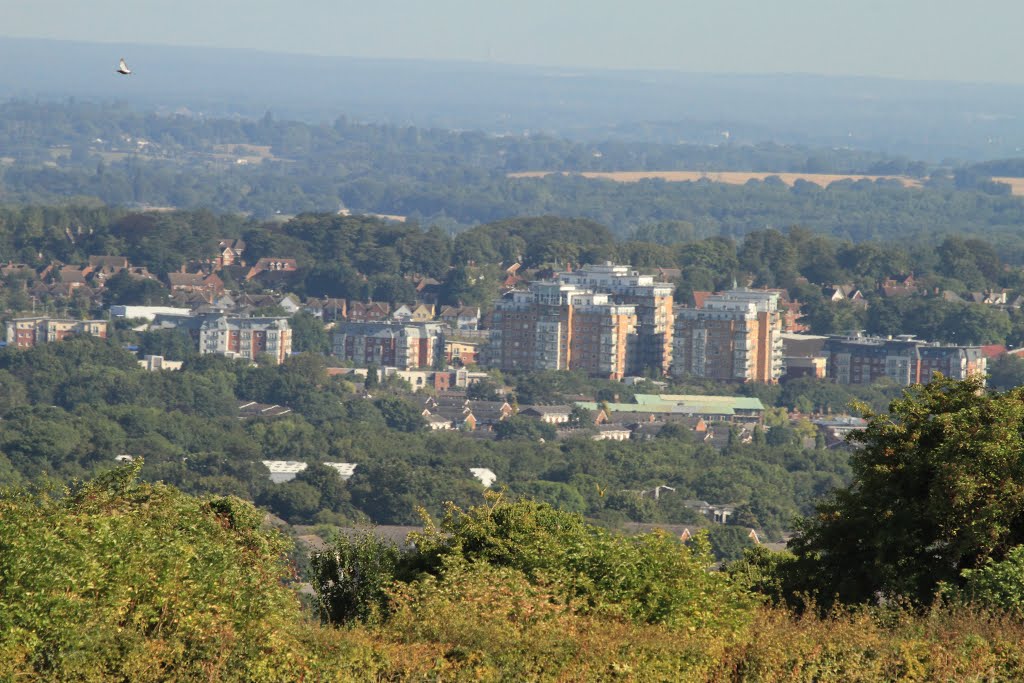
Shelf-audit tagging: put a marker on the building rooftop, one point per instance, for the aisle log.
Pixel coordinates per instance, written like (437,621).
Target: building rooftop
(734,402)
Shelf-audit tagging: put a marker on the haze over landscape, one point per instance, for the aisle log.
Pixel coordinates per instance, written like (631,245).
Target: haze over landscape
(911,39)
(576,341)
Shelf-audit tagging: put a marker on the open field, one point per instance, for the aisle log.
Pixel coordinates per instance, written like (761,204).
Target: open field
(729,177)
(1016,184)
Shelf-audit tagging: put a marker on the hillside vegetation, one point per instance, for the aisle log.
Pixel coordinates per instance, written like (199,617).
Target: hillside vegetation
(116,580)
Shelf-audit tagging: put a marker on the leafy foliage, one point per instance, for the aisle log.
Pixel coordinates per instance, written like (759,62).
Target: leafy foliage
(937,490)
(140,582)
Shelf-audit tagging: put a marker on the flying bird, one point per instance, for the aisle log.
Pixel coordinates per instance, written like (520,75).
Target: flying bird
(122,68)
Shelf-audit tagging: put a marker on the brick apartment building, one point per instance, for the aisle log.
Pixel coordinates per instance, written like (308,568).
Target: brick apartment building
(651,345)
(233,336)
(560,326)
(905,360)
(25,333)
(246,337)
(389,344)
(735,335)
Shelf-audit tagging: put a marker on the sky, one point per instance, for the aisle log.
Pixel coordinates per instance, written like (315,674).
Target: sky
(915,39)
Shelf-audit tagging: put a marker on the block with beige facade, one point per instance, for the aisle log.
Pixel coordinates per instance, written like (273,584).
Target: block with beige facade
(650,347)
(25,333)
(247,338)
(560,326)
(736,335)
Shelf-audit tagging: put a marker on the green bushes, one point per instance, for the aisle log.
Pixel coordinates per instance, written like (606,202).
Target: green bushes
(646,579)
(114,579)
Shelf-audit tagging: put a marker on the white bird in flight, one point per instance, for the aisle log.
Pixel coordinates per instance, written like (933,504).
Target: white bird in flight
(122,68)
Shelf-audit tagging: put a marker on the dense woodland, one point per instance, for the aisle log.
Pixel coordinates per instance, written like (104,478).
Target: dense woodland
(73,151)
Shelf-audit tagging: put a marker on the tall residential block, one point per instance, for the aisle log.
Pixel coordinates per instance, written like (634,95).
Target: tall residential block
(560,326)
(650,348)
(735,335)
(905,360)
(248,338)
(405,346)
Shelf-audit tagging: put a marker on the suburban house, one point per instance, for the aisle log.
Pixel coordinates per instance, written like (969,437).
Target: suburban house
(71,277)
(272,265)
(229,252)
(199,283)
(416,313)
(373,311)
(461,352)
(155,363)
(461,317)
(989,297)
(437,422)
(490,413)
(716,513)
(328,309)
(105,267)
(428,290)
(844,293)
(283,470)
(610,432)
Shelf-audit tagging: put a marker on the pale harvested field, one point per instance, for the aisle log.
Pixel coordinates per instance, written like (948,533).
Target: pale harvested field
(728,177)
(1016,184)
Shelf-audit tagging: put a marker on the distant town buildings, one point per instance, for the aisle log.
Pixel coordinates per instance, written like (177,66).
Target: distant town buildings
(741,410)
(248,338)
(903,359)
(25,333)
(146,312)
(561,326)
(735,335)
(234,336)
(650,347)
(156,363)
(394,344)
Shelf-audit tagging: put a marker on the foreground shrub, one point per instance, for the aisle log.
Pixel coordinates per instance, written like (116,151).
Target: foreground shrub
(650,578)
(114,580)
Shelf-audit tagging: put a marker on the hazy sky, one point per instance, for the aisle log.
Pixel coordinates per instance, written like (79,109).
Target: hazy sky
(927,39)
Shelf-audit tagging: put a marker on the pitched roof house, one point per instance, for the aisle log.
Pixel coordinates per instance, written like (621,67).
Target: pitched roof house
(372,311)
(461,317)
(272,265)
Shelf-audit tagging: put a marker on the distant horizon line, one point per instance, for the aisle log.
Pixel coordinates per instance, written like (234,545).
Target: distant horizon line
(589,70)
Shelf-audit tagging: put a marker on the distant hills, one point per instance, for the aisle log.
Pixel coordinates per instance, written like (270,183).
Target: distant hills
(931,121)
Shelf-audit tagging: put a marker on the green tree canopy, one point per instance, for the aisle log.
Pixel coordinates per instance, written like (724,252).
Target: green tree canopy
(938,489)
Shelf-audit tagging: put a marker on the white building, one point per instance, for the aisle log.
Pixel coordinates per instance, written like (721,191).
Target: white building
(146,312)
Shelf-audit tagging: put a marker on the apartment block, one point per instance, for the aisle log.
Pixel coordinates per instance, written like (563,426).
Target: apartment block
(246,337)
(651,346)
(735,335)
(905,360)
(393,344)
(25,333)
(601,333)
(561,326)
